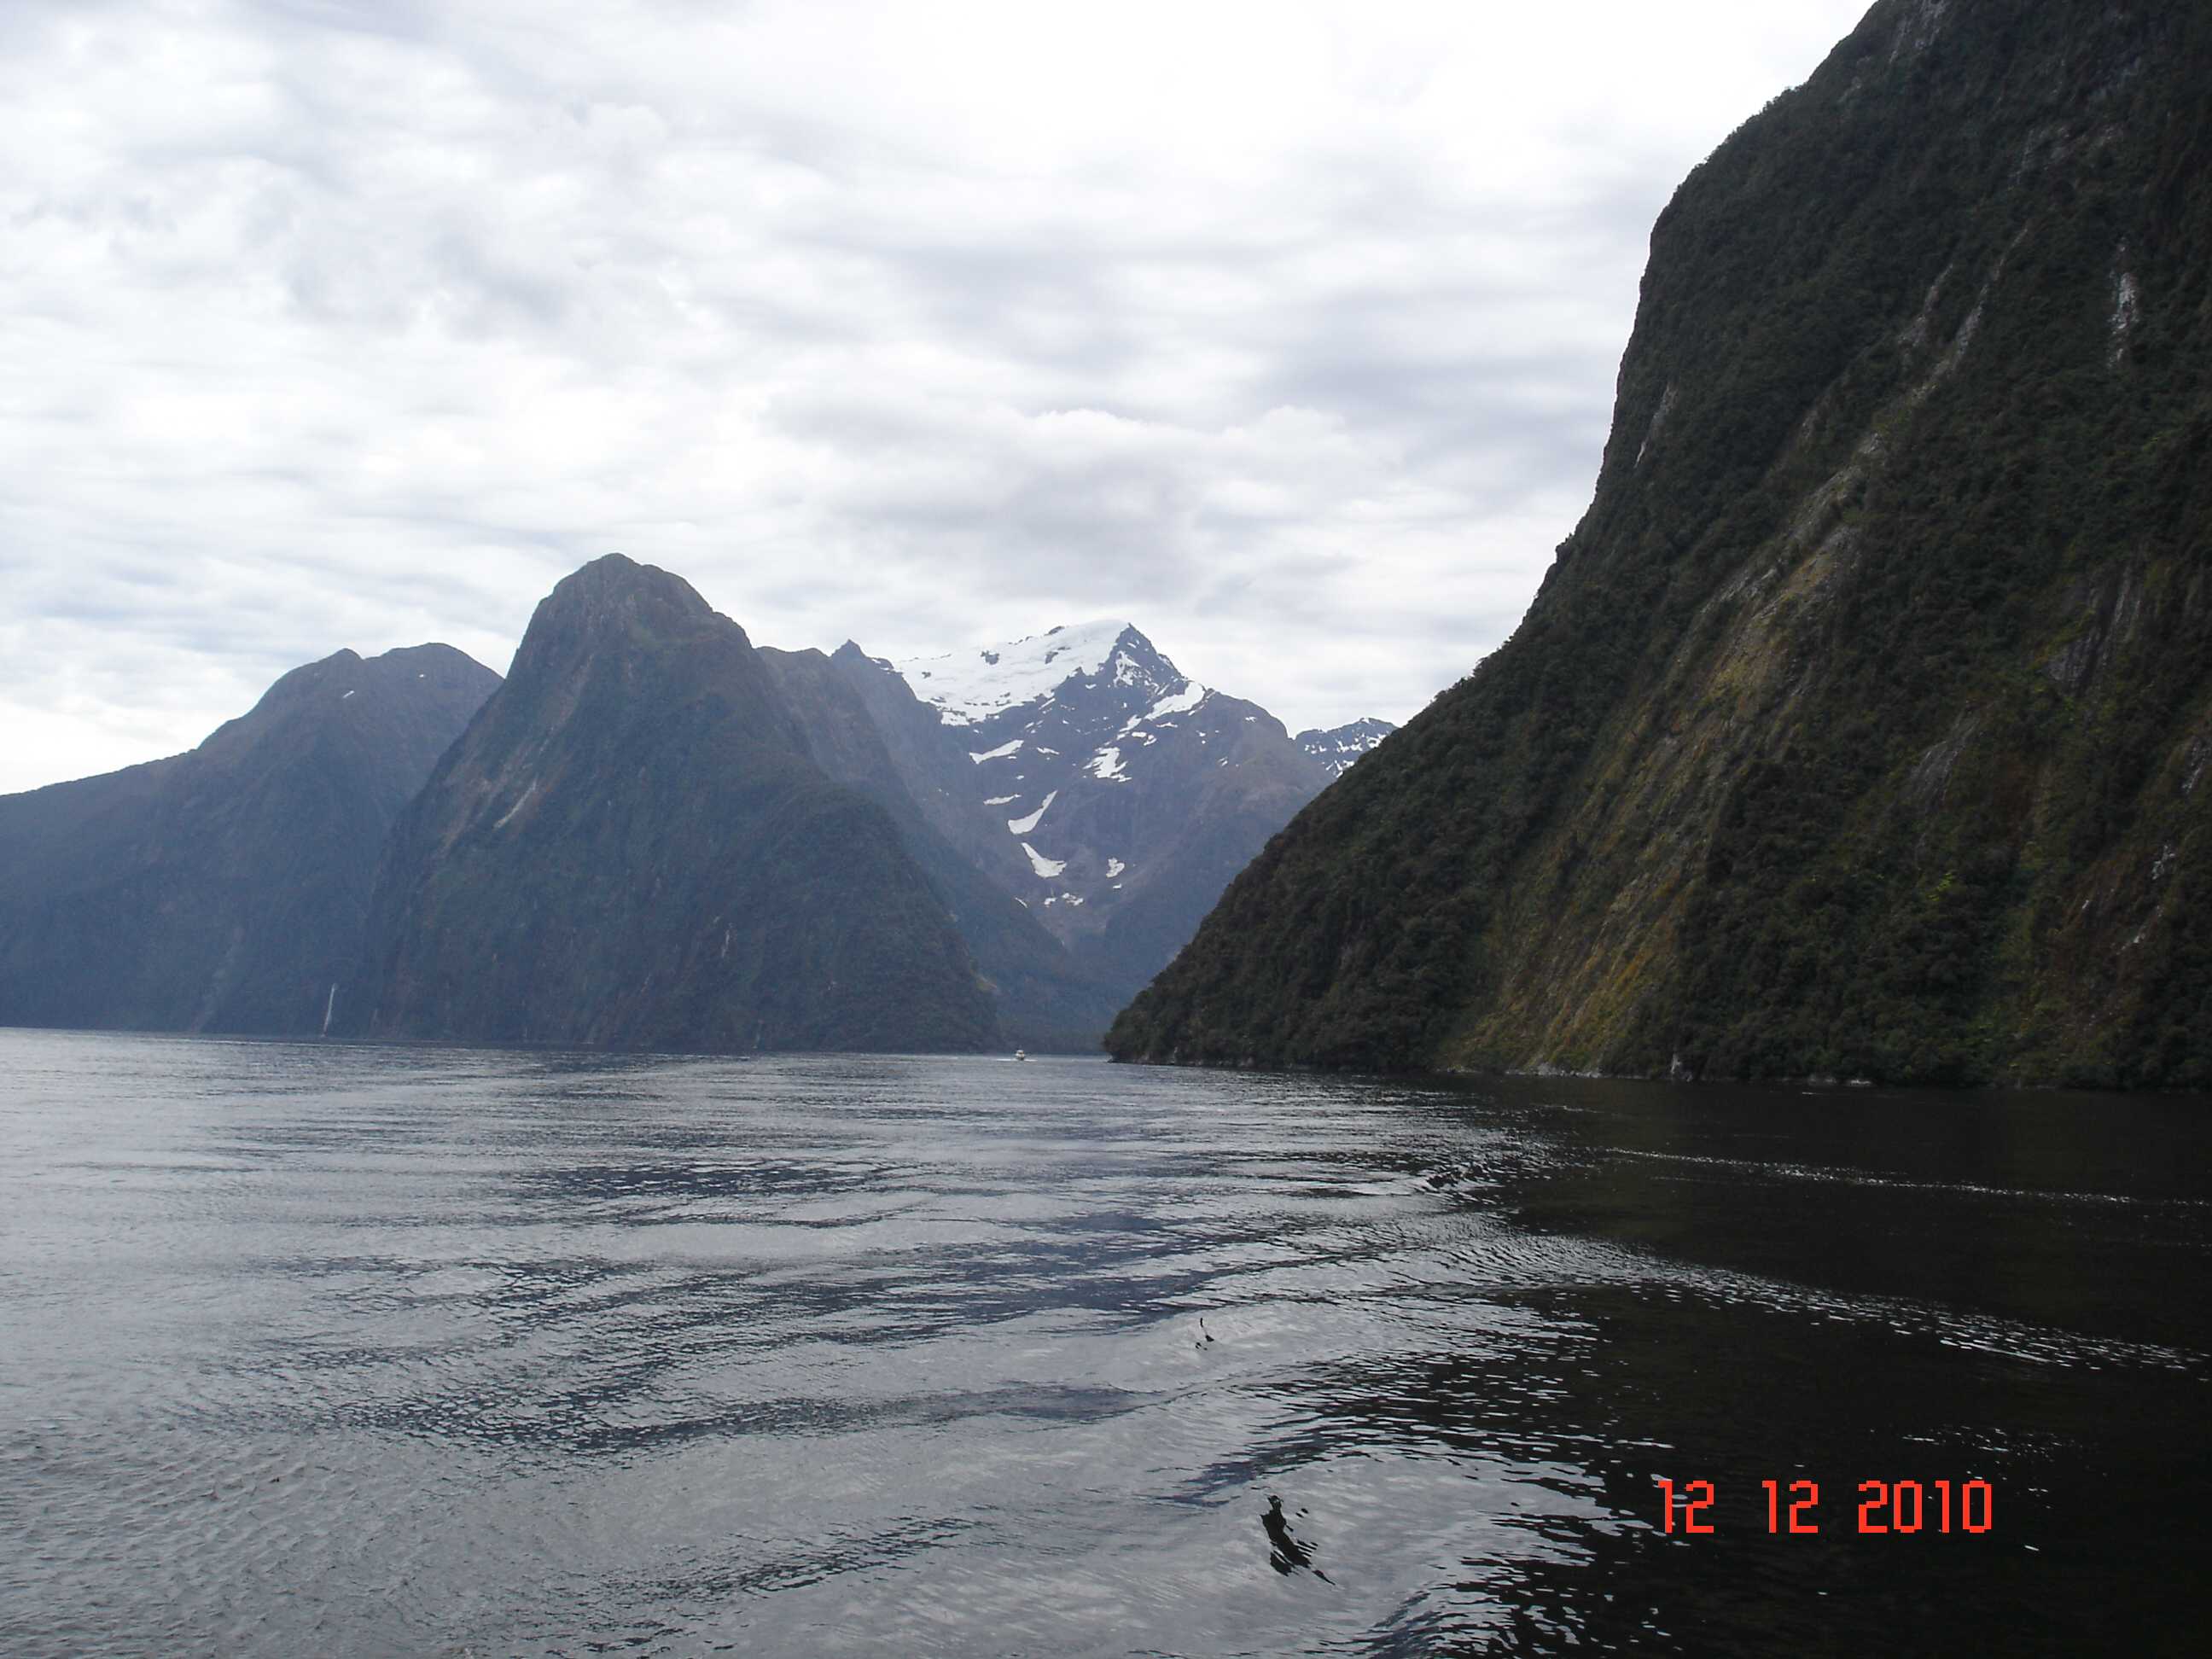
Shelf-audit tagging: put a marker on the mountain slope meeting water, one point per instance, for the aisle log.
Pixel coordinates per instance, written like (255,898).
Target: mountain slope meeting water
(1858,728)
(225,889)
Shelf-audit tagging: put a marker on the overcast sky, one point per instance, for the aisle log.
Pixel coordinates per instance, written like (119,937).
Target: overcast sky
(1285,330)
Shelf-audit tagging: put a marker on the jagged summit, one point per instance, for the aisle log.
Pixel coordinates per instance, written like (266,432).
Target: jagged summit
(614,578)
(1093,780)
(1109,792)
(969,687)
(1337,747)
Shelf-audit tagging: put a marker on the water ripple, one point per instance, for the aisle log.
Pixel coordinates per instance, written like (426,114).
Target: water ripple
(361,1350)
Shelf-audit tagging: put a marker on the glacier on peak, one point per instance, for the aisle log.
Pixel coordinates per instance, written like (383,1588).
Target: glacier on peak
(968,687)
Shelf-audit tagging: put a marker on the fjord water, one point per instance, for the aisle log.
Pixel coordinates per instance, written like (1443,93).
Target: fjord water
(351,1349)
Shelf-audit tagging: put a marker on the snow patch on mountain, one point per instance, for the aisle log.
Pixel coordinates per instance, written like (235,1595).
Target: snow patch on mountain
(1023,826)
(1337,749)
(1076,709)
(967,687)
(520,801)
(1179,702)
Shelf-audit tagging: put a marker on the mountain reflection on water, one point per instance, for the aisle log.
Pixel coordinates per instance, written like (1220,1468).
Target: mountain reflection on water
(367,1350)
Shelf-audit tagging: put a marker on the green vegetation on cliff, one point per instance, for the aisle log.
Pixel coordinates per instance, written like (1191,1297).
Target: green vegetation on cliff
(1857,729)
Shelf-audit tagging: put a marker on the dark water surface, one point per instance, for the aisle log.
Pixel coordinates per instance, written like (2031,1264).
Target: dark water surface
(356,1350)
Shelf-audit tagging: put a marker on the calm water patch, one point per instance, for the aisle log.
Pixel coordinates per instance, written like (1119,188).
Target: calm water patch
(360,1350)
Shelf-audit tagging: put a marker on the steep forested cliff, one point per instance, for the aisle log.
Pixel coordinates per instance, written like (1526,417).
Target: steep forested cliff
(1859,727)
(632,847)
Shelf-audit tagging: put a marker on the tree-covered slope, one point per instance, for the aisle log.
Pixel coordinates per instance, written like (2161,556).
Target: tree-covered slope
(631,846)
(1858,728)
(225,890)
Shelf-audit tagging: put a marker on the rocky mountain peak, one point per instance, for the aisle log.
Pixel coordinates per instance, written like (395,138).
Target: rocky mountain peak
(632,847)
(615,584)
(1337,747)
(614,601)
(1096,782)
(406,687)
(976,686)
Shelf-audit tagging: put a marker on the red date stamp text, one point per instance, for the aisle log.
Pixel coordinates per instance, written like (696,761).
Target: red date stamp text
(1884,1506)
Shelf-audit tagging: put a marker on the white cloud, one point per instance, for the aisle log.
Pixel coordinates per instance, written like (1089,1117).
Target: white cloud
(1287,330)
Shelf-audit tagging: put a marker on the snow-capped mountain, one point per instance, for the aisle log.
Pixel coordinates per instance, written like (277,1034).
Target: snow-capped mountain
(968,688)
(1337,747)
(1132,792)
(656,834)
(1043,716)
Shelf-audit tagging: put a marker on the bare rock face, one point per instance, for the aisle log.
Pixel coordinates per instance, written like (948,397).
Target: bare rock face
(1856,730)
(633,846)
(225,890)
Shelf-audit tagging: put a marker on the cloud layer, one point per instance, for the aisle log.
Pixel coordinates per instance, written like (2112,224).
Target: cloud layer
(1285,330)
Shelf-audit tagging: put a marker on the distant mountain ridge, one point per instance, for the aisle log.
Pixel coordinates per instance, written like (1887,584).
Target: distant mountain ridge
(972,687)
(654,834)
(655,831)
(225,889)
(1339,747)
